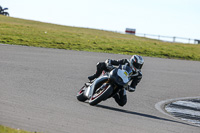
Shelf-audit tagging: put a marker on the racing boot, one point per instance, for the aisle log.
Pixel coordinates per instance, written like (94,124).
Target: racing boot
(92,77)
(100,68)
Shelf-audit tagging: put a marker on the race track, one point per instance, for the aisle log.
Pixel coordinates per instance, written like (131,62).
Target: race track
(38,93)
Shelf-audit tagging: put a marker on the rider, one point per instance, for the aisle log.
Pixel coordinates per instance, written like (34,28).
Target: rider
(136,62)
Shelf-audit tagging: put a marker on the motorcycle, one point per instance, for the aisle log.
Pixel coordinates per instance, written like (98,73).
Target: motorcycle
(3,12)
(106,86)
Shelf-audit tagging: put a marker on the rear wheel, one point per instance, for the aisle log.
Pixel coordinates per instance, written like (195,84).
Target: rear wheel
(101,94)
(80,95)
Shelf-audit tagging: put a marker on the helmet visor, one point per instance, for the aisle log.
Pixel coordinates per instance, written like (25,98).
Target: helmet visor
(137,65)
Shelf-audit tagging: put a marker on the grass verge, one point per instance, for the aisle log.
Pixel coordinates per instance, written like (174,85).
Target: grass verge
(4,129)
(38,34)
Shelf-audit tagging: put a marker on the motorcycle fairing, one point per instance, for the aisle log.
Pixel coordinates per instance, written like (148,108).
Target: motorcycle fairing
(96,84)
(124,75)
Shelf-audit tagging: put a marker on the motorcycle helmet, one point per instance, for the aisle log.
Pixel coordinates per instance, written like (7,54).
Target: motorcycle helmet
(136,62)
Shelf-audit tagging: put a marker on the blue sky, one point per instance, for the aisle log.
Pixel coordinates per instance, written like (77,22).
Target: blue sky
(160,17)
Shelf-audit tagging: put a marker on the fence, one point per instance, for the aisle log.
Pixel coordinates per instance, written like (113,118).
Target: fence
(170,38)
(165,38)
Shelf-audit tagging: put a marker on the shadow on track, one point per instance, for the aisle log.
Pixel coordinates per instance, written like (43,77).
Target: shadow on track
(141,114)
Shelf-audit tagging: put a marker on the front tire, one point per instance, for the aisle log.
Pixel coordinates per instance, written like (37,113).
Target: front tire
(103,94)
(80,95)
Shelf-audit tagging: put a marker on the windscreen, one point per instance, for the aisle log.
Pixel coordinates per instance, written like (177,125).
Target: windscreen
(128,69)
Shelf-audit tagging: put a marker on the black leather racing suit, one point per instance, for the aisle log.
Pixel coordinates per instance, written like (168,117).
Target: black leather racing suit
(121,97)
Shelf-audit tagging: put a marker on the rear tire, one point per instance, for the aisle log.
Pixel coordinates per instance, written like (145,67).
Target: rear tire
(80,95)
(102,95)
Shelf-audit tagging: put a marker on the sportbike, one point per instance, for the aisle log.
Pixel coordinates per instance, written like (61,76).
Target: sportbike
(106,86)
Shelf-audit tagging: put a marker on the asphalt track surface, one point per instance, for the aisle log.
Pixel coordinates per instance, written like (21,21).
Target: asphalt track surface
(38,93)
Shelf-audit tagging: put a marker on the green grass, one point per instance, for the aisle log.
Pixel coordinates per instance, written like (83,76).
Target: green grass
(38,34)
(4,129)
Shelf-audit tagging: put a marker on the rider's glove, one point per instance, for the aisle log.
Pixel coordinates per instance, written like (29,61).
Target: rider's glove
(108,64)
(130,89)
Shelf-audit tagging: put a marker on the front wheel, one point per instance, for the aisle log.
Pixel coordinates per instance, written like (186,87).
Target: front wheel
(80,95)
(101,94)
